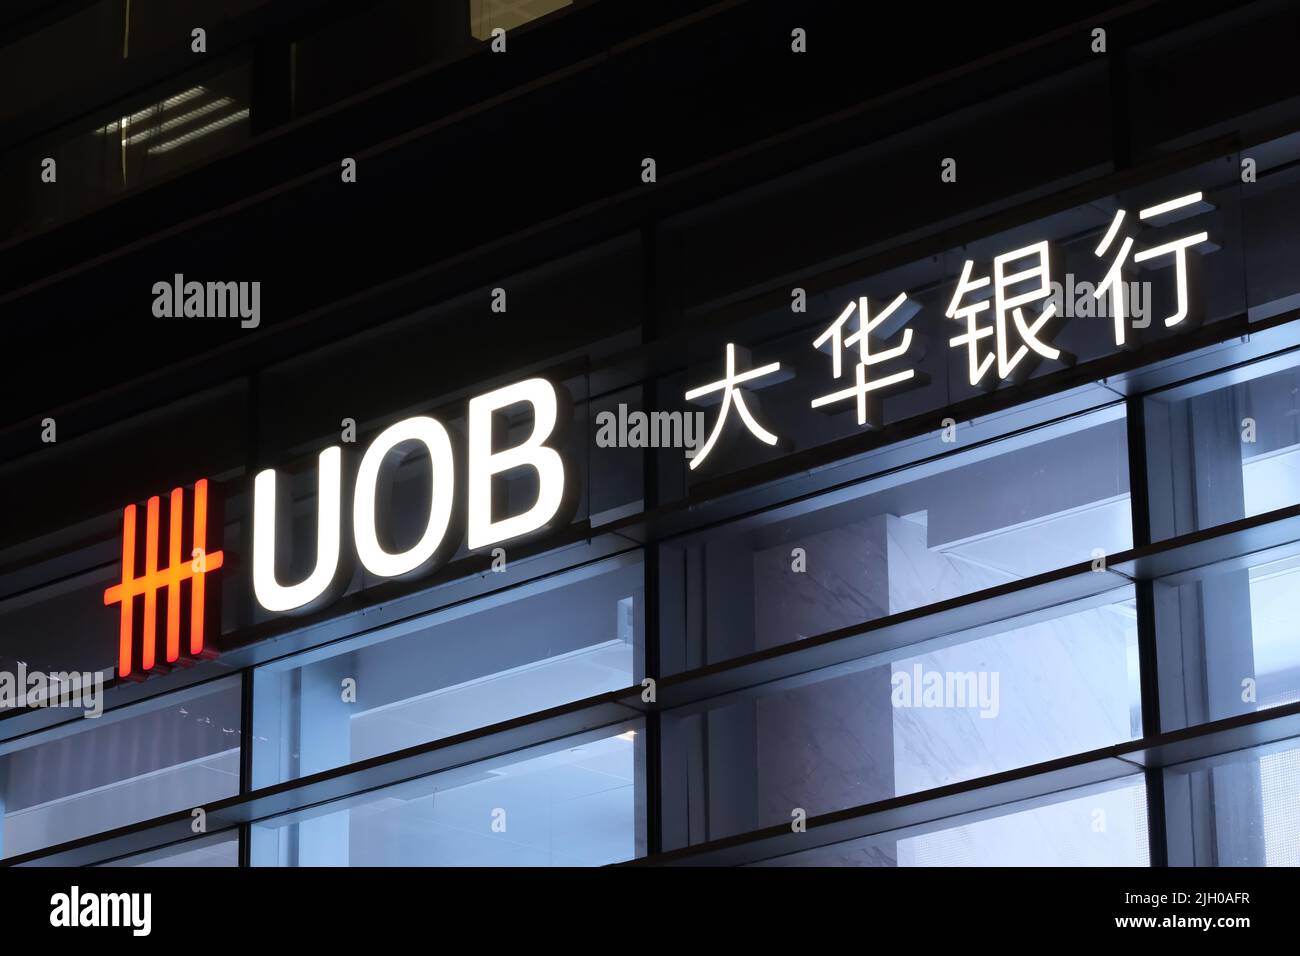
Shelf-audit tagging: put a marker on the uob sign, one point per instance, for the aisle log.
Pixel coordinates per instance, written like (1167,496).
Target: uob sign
(364,524)
(168,594)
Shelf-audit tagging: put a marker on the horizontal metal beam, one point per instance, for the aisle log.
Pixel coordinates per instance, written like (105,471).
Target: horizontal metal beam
(1246,541)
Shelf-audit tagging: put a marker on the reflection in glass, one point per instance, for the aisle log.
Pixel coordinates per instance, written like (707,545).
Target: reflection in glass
(915,537)
(1105,825)
(219,849)
(542,644)
(1237,809)
(1221,452)
(1227,634)
(575,802)
(126,147)
(173,752)
(952,709)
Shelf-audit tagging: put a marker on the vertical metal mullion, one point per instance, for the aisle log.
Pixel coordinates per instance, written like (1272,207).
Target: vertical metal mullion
(1121,127)
(1148,670)
(653,728)
(253,454)
(1140,509)
(245,730)
(271,97)
(1157,820)
(245,756)
(651,299)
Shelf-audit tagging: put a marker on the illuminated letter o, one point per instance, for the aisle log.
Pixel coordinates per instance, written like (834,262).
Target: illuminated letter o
(374,558)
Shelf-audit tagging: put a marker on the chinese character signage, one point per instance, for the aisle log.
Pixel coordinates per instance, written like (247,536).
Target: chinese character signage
(1007,314)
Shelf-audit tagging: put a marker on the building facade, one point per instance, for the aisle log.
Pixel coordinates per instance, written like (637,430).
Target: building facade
(580,433)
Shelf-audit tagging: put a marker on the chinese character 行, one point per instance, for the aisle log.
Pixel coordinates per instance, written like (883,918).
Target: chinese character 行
(1113,284)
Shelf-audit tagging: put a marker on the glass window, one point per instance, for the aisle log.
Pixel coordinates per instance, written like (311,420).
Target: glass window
(1223,449)
(1237,809)
(573,802)
(535,646)
(124,148)
(391,37)
(1226,634)
(1103,825)
(378,43)
(95,46)
(488,15)
(934,714)
(972,521)
(219,849)
(170,753)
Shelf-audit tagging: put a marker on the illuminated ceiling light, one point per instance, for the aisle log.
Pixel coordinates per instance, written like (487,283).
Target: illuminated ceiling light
(169,145)
(157,130)
(183,97)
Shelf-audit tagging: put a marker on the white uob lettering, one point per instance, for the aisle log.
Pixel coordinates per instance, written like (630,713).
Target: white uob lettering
(483,465)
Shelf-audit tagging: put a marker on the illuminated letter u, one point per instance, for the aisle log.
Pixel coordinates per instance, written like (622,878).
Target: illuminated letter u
(272,595)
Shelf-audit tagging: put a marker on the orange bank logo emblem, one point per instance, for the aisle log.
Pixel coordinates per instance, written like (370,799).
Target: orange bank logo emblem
(184,565)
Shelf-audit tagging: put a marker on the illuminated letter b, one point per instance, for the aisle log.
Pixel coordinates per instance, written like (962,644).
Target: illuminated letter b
(485,464)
